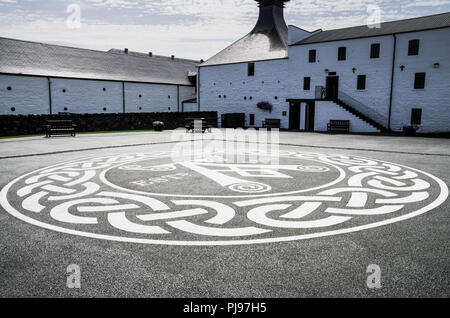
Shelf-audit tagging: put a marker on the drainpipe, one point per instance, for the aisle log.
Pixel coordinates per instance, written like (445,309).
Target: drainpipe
(392,82)
(50,95)
(178,98)
(123,96)
(198,88)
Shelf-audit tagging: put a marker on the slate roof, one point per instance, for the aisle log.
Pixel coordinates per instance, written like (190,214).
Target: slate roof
(267,41)
(31,58)
(402,26)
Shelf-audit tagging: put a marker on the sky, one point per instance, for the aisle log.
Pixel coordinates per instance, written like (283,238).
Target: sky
(195,29)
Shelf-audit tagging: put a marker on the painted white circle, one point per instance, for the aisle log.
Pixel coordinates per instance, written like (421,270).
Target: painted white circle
(71,198)
(251,187)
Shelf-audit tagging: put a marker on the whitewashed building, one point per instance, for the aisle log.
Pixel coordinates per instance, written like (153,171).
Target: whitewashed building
(377,78)
(37,78)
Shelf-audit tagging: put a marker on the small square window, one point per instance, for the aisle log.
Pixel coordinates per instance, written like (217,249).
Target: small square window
(251,69)
(416,116)
(375,51)
(419,81)
(361,82)
(413,48)
(307,83)
(342,53)
(312,56)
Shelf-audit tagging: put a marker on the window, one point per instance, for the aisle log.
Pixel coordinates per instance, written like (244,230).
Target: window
(9,88)
(307,83)
(375,51)
(419,81)
(361,82)
(252,119)
(312,56)
(413,48)
(416,116)
(342,53)
(251,69)
(104,89)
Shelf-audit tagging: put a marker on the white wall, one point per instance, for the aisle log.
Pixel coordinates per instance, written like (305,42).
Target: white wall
(155,98)
(88,97)
(28,95)
(190,107)
(233,82)
(435,98)
(377,71)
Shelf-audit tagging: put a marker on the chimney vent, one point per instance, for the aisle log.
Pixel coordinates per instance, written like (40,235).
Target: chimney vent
(150,54)
(172,57)
(126,51)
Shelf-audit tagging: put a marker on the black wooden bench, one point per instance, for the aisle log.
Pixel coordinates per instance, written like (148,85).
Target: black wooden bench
(271,123)
(59,127)
(339,125)
(207,124)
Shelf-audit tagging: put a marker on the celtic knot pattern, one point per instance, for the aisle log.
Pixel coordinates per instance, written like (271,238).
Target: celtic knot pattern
(71,196)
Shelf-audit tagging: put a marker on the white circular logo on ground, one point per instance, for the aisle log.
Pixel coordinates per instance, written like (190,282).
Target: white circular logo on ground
(146,198)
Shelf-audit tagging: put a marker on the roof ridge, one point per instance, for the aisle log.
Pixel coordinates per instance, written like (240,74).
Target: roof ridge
(145,55)
(393,21)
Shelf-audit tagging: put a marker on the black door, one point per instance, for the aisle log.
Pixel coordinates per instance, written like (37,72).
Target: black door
(294,115)
(236,120)
(309,116)
(332,87)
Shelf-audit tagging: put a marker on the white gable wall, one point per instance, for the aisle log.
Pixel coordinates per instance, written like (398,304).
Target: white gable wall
(269,84)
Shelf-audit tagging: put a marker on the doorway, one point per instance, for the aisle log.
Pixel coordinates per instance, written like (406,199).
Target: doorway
(294,115)
(332,87)
(310,116)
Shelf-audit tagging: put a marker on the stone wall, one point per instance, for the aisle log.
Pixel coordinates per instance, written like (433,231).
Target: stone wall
(11,125)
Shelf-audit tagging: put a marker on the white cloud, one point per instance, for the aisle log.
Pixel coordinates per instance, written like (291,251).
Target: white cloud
(187,28)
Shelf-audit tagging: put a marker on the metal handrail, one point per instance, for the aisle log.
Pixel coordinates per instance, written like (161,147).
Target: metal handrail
(364,109)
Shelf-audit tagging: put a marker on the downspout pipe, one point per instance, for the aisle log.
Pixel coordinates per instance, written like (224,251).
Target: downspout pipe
(123,96)
(198,88)
(50,104)
(392,81)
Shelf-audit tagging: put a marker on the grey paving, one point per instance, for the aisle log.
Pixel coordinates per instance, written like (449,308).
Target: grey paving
(413,254)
